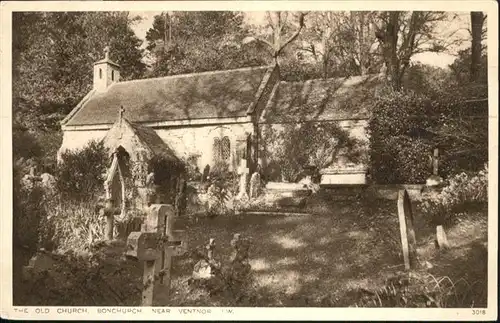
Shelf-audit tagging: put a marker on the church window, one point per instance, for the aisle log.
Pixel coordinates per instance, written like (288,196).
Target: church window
(112,75)
(221,149)
(225,148)
(100,73)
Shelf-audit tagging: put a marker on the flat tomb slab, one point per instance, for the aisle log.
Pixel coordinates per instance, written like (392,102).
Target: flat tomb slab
(343,178)
(279,186)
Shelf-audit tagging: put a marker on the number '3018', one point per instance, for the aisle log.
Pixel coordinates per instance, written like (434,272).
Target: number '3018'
(478,312)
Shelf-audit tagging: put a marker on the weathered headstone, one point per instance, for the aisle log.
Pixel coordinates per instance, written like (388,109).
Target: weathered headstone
(40,262)
(255,185)
(204,269)
(435,180)
(408,239)
(442,241)
(109,211)
(206,173)
(48,182)
(156,244)
(180,198)
(243,171)
(240,266)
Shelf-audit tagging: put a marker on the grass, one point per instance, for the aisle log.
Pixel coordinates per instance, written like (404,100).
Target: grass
(341,248)
(344,253)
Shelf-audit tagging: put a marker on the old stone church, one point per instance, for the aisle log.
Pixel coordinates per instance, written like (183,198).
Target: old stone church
(216,116)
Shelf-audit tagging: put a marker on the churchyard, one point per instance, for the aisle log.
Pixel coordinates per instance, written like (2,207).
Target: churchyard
(334,251)
(246,180)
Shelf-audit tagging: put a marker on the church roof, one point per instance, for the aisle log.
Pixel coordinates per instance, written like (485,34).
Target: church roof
(145,139)
(151,139)
(322,100)
(192,96)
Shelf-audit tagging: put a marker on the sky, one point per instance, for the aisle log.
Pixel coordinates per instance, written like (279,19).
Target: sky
(461,23)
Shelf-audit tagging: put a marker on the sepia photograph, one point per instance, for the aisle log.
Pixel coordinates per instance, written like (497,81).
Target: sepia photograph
(235,158)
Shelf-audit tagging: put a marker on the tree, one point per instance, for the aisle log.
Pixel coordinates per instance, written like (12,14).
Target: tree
(342,41)
(53,57)
(461,68)
(200,41)
(282,32)
(477,21)
(403,34)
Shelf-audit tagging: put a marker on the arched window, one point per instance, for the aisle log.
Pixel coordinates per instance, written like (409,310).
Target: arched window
(221,149)
(100,73)
(225,148)
(112,75)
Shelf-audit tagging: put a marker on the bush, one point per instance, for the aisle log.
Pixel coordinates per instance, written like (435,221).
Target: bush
(405,127)
(223,184)
(80,173)
(401,159)
(166,173)
(400,145)
(309,143)
(28,212)
(463,191)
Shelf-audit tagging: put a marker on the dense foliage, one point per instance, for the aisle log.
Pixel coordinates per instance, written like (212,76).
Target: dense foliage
(53,57)
(464,190)
(188,42)
(80,175)
(297,146)
(406,126)
(166,174)
(399,144)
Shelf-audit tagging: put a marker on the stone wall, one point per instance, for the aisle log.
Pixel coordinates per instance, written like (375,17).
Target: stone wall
(184,140)
(73,140)
(198,140)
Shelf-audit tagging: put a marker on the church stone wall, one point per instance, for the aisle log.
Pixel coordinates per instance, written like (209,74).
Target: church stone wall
(198,140)
(73,140)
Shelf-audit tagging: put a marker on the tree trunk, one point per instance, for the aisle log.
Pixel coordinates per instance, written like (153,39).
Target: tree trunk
(477,27)
(361,49)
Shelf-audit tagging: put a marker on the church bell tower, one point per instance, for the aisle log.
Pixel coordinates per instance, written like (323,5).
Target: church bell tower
(106,72)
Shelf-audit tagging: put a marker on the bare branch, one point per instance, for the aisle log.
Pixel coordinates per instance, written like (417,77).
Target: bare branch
(294,36)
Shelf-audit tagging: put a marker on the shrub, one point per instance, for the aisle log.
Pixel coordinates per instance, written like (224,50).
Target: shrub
(167,172)
(80,173)
(401,159)
(400,145)
(28,212)
(464,190)
(309,143)
(405,127)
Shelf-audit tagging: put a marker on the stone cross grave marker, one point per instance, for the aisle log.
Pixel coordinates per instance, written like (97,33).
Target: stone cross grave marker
(408,239)
(109,211)
(243,171)
(155,245)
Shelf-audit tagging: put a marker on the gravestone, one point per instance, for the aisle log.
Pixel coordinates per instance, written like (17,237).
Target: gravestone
(48,182)
(206,173)
(155,245)
(243,171)
(109,211)
(255,185)
(442,241)
(434,180)
(408,239)
(180,198)
(205,268)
